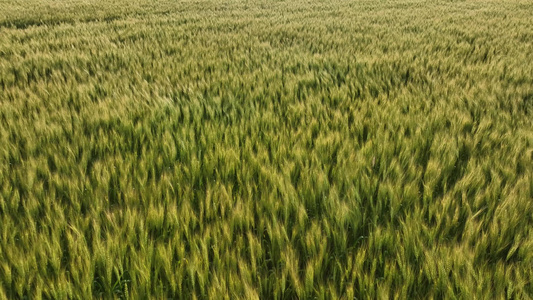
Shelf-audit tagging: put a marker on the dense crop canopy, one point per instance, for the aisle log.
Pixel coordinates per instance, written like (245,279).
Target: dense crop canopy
(266,149)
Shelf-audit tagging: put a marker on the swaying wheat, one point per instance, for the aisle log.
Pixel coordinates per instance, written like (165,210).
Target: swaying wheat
(265,150)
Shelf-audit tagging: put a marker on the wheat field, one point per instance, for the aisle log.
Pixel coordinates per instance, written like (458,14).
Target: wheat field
(246,149)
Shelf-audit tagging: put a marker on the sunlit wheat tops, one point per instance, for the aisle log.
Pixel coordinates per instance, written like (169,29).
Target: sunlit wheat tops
(266,150)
